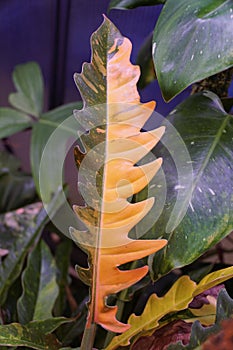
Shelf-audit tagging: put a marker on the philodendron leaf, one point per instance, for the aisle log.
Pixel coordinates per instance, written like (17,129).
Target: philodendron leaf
(41,132)
(131,4)
(200,334)
(192,40)
(49,325)
(40,289)
(144,59)
(16,188)
(12,121)
(29,84)
(114,116)
(177,298)
(207,131)
(18,335)
(62,258)
(19,231)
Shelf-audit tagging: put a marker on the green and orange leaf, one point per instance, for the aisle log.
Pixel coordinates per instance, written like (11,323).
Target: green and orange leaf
(114,144)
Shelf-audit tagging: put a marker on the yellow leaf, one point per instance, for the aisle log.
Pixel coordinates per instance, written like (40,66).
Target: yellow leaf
(177,298)
(206,314)
(213,279)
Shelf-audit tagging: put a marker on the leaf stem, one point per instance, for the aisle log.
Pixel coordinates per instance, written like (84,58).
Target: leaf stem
(88,337)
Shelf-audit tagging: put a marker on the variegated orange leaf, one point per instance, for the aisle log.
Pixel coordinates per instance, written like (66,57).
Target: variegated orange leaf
(114,144)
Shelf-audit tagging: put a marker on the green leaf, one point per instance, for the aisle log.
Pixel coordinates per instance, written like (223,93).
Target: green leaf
(39,286)
(41,132)
(49,325)
(207,131)
(19,231)
(16,188)
(62,257)
(145,62)
(12,121)
(199,334)
(18,335)
(192,40)
(131,4)
(29,84)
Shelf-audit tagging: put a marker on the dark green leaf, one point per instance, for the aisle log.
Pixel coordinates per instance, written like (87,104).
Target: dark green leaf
(145,62)
(207,131)
(18,335)
(29,84)
(19,231)
(62,257)
(10,305)
(16,188)
(48,123)
(131,4)
(192,40)
(39,286)
(12,121)
(227,103)
(49,325)
(199,334)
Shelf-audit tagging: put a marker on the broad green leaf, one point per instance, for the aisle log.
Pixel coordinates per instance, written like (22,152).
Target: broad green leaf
(176,299)
(18,335)
(207,131)
(20,230)
(144,59)
(114,116)
(12,121)
(199,334)
(16,188)
(131,4)
(29,84)
(49,325)
(42,131)
(192,40)
(40,289)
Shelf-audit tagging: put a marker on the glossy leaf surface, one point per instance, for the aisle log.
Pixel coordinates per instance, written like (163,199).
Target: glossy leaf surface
(18,335)
(207,131)
(29,84)
(114,116)
(131,4)
(12,121)
(41,133)
(177,298)
(16,188)
(20,230)
(40,289)
(192,40)
(144,59)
